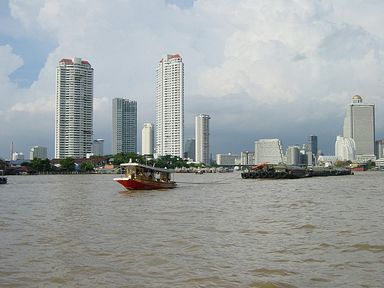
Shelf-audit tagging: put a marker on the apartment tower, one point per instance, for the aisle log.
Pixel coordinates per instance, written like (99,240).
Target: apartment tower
(202,138)
(170,106)
(74,108)
(124,126)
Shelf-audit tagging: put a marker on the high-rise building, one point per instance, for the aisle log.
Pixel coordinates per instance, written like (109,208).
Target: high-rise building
(38,152)
(189,149)
(345,148)
(359,124)
(74,108)
(202,138)
(293,155)
(268,151)
(124,126)
(170,106)
(247,158)
(147,139)
(98,147)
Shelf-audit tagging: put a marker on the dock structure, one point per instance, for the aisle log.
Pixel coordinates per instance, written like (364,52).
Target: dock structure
(271,171)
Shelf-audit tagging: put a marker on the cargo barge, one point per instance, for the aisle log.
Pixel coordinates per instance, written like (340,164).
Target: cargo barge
(271,171)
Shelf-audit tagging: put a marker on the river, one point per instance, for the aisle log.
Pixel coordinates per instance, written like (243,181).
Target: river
(214,230)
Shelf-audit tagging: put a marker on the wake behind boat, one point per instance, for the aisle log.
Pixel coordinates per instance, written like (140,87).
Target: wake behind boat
(142,177)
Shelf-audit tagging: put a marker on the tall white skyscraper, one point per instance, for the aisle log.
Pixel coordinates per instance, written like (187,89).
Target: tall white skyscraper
(147,139)
(124,126)
(74,108)
(359,124)
(170,106)
(202,138)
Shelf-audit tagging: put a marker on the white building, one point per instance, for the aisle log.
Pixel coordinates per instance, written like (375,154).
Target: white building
(147,139)
(379,148)
(345,149)
(98,147)
(359,124)
(38,152)
(247,158)
(74,108)
(268,151)
(293,155)
(124,126)
(202,138)
(227,159)
(170,106)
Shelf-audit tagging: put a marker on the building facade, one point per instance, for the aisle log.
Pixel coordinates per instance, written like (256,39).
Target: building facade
(247,158)
(189,149)
(359,124)
(38,152)
(293,155)
(227,159)
(345,149)
(147,139)
(124,126)
(268,151)
(74,108)
(98,147)
(170,106)
(379,149)
(202,138)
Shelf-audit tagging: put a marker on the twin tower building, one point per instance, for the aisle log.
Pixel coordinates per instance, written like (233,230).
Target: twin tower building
(74,114)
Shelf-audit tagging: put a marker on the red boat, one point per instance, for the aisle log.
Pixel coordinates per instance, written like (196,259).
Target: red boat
(142,177)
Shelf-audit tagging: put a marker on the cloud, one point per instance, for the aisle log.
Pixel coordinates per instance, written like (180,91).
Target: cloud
(260,68)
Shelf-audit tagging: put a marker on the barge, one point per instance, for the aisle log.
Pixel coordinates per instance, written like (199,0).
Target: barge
(281,171)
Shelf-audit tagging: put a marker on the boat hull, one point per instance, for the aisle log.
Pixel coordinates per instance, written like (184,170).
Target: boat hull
(139,184)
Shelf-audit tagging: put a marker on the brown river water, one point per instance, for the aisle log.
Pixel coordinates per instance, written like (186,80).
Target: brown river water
(214,230)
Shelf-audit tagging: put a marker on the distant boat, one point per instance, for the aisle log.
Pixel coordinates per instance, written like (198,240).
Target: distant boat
(142,177)
(3,179)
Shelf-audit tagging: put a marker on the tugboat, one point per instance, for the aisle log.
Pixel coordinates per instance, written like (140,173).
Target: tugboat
(3,179)
(142,177)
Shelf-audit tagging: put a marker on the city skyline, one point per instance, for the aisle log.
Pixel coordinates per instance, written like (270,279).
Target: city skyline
(296,65)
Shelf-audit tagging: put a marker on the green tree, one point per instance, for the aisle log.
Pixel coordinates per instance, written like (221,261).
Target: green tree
(67,164)
(128,157)
(41,165)
(87,166)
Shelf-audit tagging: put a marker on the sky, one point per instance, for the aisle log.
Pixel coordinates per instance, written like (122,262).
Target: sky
(260,68)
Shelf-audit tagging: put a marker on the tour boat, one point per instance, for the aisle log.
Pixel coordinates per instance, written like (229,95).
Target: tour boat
(142,177)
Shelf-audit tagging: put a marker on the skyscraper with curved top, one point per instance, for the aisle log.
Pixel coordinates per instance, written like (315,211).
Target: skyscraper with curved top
(359,124)
(170,106)
(74,108)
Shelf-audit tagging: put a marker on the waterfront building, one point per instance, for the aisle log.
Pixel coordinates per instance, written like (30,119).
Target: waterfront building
(268,151)
(38,152)
(247,158)
(190,149)
(202,138)
(345,149)
(293,155)
(98,147)
(147,139)
(359,124)
(170,106)
(379,149)
(124,126)
(74,108)
(227,159)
